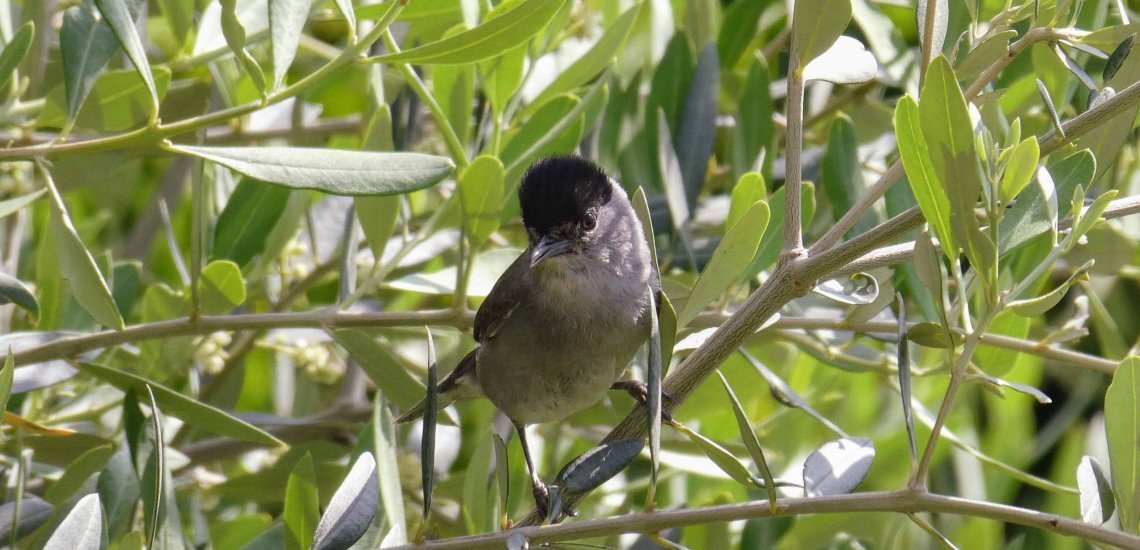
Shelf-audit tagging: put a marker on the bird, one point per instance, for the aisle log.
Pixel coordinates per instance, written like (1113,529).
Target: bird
(563,322)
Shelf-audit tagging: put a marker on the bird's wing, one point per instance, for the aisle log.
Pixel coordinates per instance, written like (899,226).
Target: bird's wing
(460,383)
(503,300)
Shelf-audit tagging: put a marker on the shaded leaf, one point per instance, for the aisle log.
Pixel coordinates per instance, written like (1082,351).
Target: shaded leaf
(1033,307)
(595,60)
(34,512)
(729,261)
(1117,57)
(244,225)
(334,171)
(427,440)
(904,378)
(221,287)
(481,188)
(1031,215)
(720,456)
(234,32)
(86,44)
(122,22)
(594,467)
(192,411)
(381,366)
(941,20)
(10,206)
(77,473)
(838,466)
(77,266)
(286,20)
(696,132)
(817,24)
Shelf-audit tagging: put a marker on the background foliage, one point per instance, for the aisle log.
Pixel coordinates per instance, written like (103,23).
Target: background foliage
(219,272)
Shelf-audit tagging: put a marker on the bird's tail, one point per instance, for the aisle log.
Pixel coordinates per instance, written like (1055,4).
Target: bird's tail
(460,384)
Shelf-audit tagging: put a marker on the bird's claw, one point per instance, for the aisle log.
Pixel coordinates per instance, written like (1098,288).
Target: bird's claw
(639,391)
(541,498)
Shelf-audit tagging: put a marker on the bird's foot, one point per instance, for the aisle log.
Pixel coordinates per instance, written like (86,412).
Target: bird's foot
(640,392)
(541,497)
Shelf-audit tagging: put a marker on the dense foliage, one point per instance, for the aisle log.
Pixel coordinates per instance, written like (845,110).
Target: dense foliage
(236,233)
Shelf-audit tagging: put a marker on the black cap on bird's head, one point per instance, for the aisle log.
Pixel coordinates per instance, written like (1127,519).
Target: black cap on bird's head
(560,198)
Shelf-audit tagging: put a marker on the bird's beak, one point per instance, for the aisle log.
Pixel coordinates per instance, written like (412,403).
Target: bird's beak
(548,247)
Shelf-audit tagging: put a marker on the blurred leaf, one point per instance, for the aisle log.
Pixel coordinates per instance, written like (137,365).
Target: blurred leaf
(1091,215)
(235,34)
(502,76)
(192,411)
(478,509)
(494,37)
(985,54)
(486,270)
(590,64)
(244,224)
(82,529)
(1097,500)
(784,393)
(77,473)
(117,101)
(351,509)
(15,51)
(33,513)
(594,467)
(481,188)
(751,443)
(12,291)
(904,379)
(286,21)
(720,456)
(302,507)
(381,366)
(454,89)
(537,137)
(221,287)
(817,24)
(845,62)
(729,261)
(841,173)
(932,335)
(377,217)
(753,130)
(667,326)
(121,18)
(738,27)
(388,472)
(503,475)
(920,173)
(7,375)
(1122,426)
(118,487)
(10,206)
(1047,99)
(1033,307)
(334,171)
(17,421)
(927,264)
(838,467)
(696,132)
(770,244)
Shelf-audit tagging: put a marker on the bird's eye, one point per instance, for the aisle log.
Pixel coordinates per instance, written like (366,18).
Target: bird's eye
(590,221)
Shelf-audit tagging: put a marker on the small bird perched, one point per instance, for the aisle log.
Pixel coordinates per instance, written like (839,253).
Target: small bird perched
(566,318)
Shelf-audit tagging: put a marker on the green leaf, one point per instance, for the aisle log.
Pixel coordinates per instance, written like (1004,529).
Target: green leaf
(502,76)
(12,291)
(302,506)
(696,131)
(250,214)
(932,335)
(941,20)
(77,266)
(594,61)
(427,436)
(481,188)
(555,128)
(667,325)
(494,37)
(382,367)
(816,25)
(749,189)
(751,442)
(720,456)
(1030,217)
(1097,499)
(221,287)
(478,510)
(77,473)
(770,244)
(985,54)
(117,101)
(741,21)
(234,32)
(950,140)
(387,461)
(286,20)
(86,44)
(1116,59)
(6,377)
(1122,427)
(1019,169)
(920,173)
(122,22)
(15,51)
(729,261)
(191,411)
(1108,138)
(378,217)
(334,171)
(1091,215)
